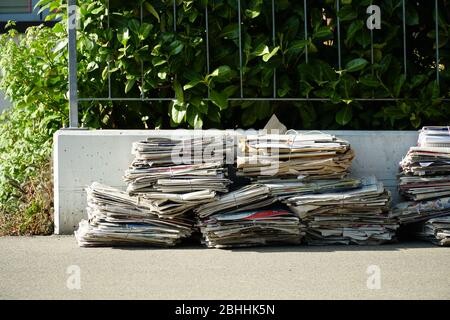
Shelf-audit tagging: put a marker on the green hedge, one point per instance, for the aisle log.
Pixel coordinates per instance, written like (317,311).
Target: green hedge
(174,64)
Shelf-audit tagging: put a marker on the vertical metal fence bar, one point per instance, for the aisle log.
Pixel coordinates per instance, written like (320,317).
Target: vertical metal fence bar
(338,21)
(208,57)
(240,49)
(305,14)
(73,94)
(404,39)
(372,58)
(109,56)
(371,43)
(142,61)
(174,15)
(437,41)
(274,39)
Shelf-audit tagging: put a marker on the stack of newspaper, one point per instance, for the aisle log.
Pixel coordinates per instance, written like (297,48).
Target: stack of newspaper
(314,154)
(177,165)
(285,188)
(425,161)
(177,175)
(425,181)
(436,230)
(356,216)
(246,198)
(417,211)
(115,218)
(419,188)
(250,228)
(434,137)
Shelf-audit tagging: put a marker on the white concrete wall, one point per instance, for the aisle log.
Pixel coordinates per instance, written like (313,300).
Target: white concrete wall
(82,156)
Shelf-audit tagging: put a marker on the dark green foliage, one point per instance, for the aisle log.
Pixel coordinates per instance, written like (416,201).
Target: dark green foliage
(174,64)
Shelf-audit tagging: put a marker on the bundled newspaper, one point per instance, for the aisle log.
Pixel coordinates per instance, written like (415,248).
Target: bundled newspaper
(178,165)
(314,154)
(177,175)
(425,181)
(246,198)
(356,216)
(419,188)
(434,137)
(424,161)
(417,211)
(116,218)
(250,228)
(285,188)
(436,230)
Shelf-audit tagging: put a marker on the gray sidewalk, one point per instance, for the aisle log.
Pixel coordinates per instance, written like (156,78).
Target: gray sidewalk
(43,267)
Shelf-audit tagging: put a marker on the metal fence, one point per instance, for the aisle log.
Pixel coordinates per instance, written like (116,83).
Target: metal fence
(73,92)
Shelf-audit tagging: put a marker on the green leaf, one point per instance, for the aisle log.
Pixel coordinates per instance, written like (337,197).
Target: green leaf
(152,10)
(231,32)
(370,81)
(412,16)
(214,114)
(354,27)
(158,61)
(347,13)
(323,32)
(219,99)
(261,50)
(194,118)
(399,84)
(144,31)
(176,47)
(344,115)
(179,94)
(61,45)
(356,65)
(269,56)
(221,73)
(123,36)
(249,117)
(129,85)
(178,112)
(191,84)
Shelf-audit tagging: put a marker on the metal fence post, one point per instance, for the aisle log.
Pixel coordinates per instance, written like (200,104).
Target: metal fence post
(73,94)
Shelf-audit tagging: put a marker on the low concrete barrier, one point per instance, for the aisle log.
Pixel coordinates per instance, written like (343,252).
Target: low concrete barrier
(84,156)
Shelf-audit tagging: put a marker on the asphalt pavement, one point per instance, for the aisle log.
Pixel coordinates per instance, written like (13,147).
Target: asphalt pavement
(56,268)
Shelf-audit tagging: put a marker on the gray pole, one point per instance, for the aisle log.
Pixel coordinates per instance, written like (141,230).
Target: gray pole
(73,95)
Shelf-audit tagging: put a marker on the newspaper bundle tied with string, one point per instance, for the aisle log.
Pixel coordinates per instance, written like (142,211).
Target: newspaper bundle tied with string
(279,166)
(424,180)
(313,155)
(168,177)
(308,172)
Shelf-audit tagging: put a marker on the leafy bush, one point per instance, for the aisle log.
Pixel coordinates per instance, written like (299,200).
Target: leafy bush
(34,77)
(174,64)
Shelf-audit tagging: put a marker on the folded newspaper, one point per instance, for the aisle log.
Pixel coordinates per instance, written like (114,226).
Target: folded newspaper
(246,198)
(420,188)
(115,218)
(416,211)
(312,154)
(434,136)
(251,228)
(425,180)
(422,161)
(436,230)
(285,188)
(178,165)
(356,216)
